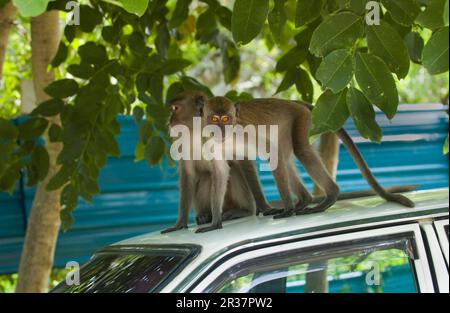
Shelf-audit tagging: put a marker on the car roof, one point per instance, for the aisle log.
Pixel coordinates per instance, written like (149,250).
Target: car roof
(343,213)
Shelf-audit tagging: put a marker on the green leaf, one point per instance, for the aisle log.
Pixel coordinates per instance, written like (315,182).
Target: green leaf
(386,43)
(54,133)
(402,11)
(277,19)
(288,80)
(336,70)
(330,112)
(190,83)
(174,90)
(435,53)
(291,59)
(49,108)
(63,88)
(70,32)
(69,197)
(84,71)
(225,15)
(162,40)
(231,60)
(28,8)
(414,43)
(356,6)
(10,177)
(180,13)
(340,31)
(376,81)
(154,150)
(248,19)
(8,132)
(145,131)
(32,128)
(446,12)
(92,53)
(89,18)
(139,152)
(61,55)
(135,6)
(445,148)
(40,162)
(206,24)
(61,178)
(432,17)
(67,219)
(173,66)
(304,85)
(138,114)
(307,11)
(363,115)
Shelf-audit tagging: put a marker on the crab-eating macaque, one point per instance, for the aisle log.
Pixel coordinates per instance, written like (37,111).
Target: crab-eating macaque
(294,121)
(195,176)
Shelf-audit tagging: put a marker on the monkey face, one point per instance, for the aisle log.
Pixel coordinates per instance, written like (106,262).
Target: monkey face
(185,106)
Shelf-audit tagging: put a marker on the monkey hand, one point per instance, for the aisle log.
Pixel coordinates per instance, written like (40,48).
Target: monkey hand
(175,228)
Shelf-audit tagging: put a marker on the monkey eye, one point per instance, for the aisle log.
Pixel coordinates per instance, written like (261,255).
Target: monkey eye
(226,119)
(174,107)
(215,119)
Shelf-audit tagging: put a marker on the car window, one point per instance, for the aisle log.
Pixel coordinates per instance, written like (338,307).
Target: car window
(128,271)
(379,267)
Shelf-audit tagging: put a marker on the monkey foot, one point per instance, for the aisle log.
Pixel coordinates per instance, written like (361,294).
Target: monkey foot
(173,229)
(284,214)
(203,219)
(271,211)
(234,215)
(301,206)
(306,211)
(208,229)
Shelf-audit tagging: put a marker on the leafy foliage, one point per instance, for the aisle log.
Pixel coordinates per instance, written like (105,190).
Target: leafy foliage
(131,57)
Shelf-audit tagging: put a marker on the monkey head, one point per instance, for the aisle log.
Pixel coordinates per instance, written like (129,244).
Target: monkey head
(185,106)
(220,111)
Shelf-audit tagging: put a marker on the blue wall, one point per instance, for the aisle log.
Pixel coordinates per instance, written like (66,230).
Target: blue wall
(137,199)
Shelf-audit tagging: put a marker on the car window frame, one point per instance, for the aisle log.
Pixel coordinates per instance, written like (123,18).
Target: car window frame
(440,270)
(439,226)
(420,265)
(192,251)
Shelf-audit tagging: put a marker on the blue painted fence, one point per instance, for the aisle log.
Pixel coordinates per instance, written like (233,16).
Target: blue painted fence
(137,199)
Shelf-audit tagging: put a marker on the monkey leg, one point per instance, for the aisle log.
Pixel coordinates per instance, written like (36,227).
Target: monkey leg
(318,173)
(230,215)
(303,195)
(219,179)
(281,175)
(250,174)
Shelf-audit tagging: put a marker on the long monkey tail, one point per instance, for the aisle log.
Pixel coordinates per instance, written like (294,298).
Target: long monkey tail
(365,170)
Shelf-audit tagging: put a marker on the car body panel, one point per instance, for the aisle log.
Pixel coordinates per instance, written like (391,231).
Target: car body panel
(250,232)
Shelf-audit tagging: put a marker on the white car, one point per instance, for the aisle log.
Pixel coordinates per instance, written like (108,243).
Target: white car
(359,245)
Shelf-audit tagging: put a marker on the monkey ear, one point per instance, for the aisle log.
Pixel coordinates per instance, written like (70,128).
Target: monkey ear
(199,105)
(237,105)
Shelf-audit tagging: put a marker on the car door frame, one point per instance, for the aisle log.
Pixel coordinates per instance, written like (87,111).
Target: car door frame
(421,266)
(439,226)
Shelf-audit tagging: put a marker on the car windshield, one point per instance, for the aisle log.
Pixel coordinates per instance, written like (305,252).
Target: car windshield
(130,270)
